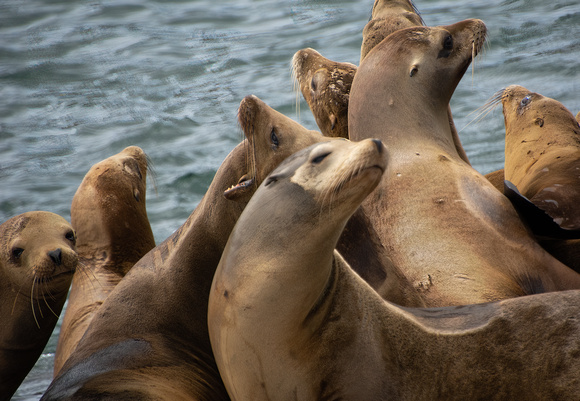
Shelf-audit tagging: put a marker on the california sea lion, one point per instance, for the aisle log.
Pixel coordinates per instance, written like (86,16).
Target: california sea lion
(288,319)
(37,262)
(149,339)
(444,225)
(325,85)
(109,217)
(542,152)
(542,159)
(359,243)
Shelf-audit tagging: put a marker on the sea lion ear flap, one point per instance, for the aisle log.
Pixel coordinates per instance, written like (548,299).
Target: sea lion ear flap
(270,180)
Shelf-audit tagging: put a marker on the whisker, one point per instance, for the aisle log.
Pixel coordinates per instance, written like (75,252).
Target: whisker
(32,304)
(487,108)
(152,173)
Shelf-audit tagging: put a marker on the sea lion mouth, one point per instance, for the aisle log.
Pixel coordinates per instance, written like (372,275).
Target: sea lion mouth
(242,187)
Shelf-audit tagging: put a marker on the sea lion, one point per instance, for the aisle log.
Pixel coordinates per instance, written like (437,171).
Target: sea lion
(149,339)
(542,159)
(444,225)
(113,232)
(496,178)
(325,85)
(542,153)
(37,262)
(279,336)
(359,243)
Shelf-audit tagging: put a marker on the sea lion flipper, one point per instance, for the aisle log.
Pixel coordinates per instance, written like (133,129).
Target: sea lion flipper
(537,219)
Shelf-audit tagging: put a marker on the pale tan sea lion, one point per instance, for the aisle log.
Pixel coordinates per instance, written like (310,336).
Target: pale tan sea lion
(109,217)
(37,262)
(149,339)
(293,322)
(542,159)
(444,225)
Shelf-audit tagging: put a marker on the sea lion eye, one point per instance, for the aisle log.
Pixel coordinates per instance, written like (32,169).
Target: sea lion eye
(525,101)
(320,158)
(274,139)
(448,43)
(313,84)
(17,252)
(71,236)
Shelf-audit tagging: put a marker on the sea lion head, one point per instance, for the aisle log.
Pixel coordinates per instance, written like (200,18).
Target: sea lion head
(38,254)
(387,17)
(325,85)
(410,76)
(108,211)
(271,137)
(525,110)
(330,179)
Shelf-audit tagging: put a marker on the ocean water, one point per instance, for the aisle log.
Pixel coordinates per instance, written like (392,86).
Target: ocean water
(81,80)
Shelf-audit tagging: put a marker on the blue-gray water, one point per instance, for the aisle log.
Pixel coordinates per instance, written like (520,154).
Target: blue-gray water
(80,80)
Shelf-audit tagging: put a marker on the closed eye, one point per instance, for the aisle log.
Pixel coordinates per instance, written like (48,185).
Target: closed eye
(320,158)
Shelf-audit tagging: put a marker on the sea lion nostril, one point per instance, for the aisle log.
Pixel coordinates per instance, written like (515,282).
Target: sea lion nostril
(56,256)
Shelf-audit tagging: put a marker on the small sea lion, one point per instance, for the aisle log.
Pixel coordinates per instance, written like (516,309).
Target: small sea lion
(325,85)
(149,339)
(289,319)
(456,238)
(37,262)
(113,232)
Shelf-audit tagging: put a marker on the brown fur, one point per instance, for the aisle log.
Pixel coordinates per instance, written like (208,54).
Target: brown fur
(325,84)
(113,232)
(277,336)
(149,339)
(542,159)
(34,284)
(444,225)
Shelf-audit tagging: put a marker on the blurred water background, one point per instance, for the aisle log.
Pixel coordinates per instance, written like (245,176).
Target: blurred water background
(81,80)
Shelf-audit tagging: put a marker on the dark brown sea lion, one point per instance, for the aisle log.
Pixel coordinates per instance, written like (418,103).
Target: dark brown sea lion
(37,262)
(289,320)
(444,225)
(149,339)
(109,217)
(325,85)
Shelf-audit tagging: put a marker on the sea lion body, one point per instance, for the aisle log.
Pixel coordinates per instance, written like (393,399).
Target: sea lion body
(542,153)
(37,261)
(109,217)
(149,339)
(445,226)
(279,336)
(542,159)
